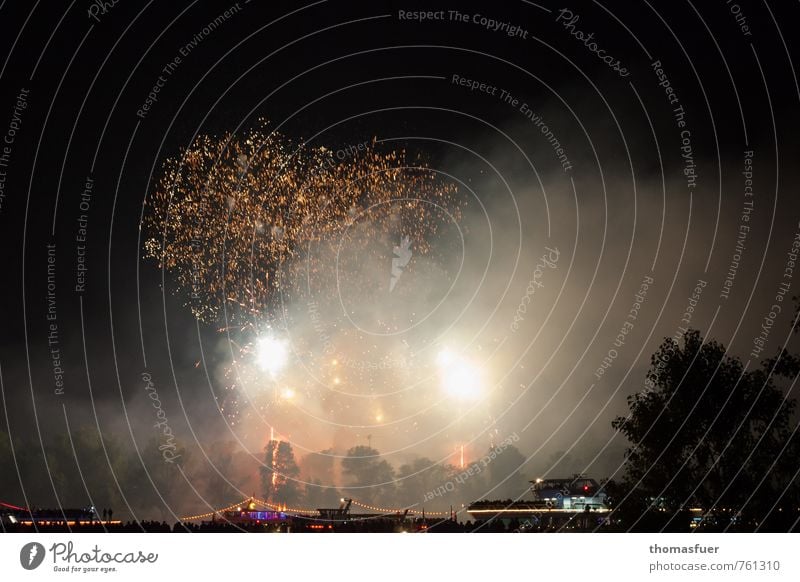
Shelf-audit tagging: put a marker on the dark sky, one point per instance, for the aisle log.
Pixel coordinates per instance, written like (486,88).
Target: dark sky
(336,73)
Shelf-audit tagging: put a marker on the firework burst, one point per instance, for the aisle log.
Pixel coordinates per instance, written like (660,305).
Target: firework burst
(254,225)
(245,220)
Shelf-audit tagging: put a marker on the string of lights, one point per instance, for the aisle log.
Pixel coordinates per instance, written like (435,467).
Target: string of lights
(390,510)
(210,513)
(284,508)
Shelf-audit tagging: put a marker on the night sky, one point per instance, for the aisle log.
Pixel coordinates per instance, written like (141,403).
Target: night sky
(653,165)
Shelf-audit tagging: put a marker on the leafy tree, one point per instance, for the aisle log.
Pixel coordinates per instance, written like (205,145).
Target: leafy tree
(708,431)
(318,469)
(154,486)
(418,480)
(79,465)
(505,473)
(370,478)
(280,473)
(319,466)
(228,474)
(319,494)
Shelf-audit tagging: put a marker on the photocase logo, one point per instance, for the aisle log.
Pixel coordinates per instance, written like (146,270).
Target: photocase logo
(31,555)
(400,260)
(99,7)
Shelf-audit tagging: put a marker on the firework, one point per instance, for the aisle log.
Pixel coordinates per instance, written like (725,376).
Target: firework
(244,222)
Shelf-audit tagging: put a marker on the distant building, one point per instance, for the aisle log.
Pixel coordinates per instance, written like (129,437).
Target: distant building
(574,503)
(576,493)
(250,514)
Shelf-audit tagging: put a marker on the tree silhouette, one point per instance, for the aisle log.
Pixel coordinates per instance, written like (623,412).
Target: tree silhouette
(157,484)
(224,473)
(371,477)
(418,480)
(709,431)
(279,474)
(505,473)
(318,469)
(319,466)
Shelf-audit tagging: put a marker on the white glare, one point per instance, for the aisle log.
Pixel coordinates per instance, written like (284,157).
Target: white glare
(271,354)
(445,358)
(460,378)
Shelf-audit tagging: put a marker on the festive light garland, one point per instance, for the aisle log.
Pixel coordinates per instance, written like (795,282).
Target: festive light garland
(282,508)
(210,513)
(285,509)
(390,510)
